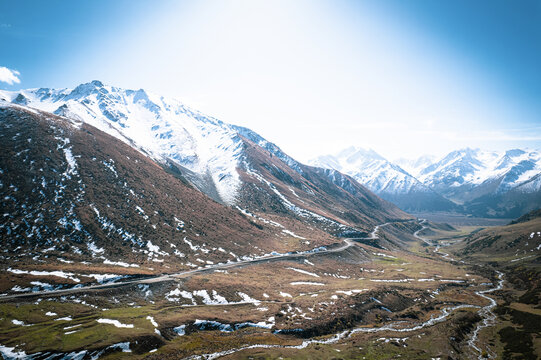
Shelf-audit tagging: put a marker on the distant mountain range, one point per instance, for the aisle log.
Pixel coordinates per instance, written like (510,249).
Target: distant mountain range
(469,181)
(100,172)
(386,179)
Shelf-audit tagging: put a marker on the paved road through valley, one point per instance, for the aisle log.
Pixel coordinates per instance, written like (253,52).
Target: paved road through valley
(347,243)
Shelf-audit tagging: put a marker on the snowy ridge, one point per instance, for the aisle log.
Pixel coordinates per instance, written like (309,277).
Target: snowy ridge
(485,183)
(475,167)
(371,170)
(472,167)
(165,129)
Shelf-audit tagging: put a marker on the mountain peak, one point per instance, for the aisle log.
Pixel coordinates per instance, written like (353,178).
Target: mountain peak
(86,89)
(141,95)
(91,84)
(97,83)
(347,151)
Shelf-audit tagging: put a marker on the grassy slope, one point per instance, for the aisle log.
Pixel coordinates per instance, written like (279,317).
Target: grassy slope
(515,250)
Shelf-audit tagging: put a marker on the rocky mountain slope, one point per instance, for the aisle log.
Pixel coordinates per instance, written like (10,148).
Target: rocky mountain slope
(323,197)
(520,241)
(76,197)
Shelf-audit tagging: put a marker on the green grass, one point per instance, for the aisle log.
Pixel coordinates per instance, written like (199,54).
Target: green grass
(45,333)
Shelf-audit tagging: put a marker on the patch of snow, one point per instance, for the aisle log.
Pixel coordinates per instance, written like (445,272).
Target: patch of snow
(350,292)
(65,318)
(9,353)
(56,273)
(303,272)
(247,299)
(152,321)
(101,278)
(180,330)
(116,323)
(119,263)
(124,346)
(293,234)
(385,255)
(94,249)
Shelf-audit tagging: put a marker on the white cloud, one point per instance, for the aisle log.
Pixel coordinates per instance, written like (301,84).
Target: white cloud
(9,76)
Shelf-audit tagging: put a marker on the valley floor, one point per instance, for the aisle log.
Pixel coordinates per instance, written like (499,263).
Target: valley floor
(349,301)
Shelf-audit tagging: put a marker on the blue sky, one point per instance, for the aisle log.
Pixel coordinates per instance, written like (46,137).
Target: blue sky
(402,77)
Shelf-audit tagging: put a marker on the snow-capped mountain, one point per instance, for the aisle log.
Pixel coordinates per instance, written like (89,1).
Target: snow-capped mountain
(162,128)
(231,164)
(386,179)
(71,193)
(472,181)
(466,174)
(488,183)
(371,170)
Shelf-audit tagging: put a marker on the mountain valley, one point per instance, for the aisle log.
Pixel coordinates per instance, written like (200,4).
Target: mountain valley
(136,227)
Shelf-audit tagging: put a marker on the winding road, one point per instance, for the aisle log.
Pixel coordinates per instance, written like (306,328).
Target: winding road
(347,243)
